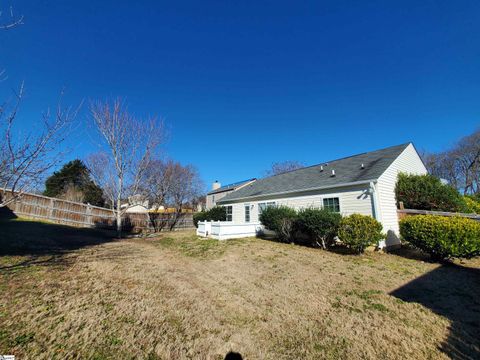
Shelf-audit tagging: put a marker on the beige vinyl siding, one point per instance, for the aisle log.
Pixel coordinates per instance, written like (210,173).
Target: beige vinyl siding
(352,200)
(407,162)
(213,199)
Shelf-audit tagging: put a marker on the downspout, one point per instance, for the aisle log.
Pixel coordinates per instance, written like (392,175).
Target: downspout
(373,192)
(376,210)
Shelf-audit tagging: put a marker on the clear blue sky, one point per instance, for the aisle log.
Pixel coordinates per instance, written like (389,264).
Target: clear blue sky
(245,84)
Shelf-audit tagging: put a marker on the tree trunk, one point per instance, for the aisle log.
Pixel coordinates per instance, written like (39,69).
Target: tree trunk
(118,214)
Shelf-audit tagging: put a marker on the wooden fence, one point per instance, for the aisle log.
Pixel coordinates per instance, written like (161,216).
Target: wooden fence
(411,212)
(71,213)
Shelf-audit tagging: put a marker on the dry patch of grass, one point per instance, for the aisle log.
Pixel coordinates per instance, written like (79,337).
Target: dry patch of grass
(181,297)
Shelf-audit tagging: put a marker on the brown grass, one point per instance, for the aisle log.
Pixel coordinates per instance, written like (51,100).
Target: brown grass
(181,297)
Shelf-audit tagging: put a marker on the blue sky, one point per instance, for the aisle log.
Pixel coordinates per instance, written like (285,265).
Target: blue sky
(244,84)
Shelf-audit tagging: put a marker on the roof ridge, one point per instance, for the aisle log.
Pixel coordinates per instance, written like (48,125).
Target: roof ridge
(330,161)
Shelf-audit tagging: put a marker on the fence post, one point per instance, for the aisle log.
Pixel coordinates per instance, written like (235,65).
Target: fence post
(89,215)
(51,207)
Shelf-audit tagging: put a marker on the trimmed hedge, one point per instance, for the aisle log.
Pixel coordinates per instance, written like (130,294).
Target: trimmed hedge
(217,213)
(359,231)
(280,219)
(442,237)
(426,192)
(321,225)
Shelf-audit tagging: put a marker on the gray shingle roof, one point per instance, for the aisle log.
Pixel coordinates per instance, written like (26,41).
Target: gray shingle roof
(230,187)
(347,170)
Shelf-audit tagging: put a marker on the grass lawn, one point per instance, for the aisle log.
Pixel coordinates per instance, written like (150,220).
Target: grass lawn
(72,293)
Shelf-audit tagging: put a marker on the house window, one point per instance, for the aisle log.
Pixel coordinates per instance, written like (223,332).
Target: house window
(247,213)
(263,206)
(229,211)
(332,204)
(213,199)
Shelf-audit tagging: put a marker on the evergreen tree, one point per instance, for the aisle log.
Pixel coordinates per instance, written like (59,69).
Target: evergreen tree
(74,174)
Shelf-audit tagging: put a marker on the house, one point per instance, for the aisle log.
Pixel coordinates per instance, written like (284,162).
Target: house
(136,204)
(363,184)
(219,192)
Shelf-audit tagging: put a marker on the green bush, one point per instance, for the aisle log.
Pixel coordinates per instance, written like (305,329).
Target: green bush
(442,237)
(472,205)
(280,219)
(426,192)
(359,231)
(321,225)
(217,213)
(201,216)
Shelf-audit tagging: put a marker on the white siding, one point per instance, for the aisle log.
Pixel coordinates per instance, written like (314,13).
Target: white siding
(408,162)
(352,200)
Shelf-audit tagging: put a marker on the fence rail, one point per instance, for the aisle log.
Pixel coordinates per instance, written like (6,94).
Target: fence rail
(412,212)
(83,215)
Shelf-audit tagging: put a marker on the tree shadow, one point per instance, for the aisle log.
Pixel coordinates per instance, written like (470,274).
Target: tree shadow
(41,243)
(452,291)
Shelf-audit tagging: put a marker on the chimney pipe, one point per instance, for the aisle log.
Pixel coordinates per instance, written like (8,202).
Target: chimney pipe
(333,172)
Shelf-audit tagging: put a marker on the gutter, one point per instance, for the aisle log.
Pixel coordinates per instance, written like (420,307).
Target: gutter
(227,201)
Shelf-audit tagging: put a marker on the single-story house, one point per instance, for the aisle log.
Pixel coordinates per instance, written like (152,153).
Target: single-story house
(219,192)
(363,184)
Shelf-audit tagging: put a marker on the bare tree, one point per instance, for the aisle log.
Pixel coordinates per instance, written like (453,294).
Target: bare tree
(186,187)
(460,165)
(283,167)
(129,144)
(158,180)
(26,157)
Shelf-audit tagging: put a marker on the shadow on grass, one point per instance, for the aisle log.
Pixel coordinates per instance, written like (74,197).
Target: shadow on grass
(41,243)
(305,242)
(409,252)
(453,292)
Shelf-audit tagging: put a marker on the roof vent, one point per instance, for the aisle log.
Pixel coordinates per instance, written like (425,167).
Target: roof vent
(333,172)
(363,166)
(321,167)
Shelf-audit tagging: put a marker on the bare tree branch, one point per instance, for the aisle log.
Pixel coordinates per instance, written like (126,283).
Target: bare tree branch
(283,167)
(460,166)
(12,22)
(26,157)
(129,145)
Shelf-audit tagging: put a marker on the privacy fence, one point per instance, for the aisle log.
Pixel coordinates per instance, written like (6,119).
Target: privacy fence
(71,213)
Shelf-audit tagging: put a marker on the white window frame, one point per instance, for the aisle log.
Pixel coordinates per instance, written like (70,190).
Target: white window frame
(229,207)
(263,205)
(247,209)
(332,198)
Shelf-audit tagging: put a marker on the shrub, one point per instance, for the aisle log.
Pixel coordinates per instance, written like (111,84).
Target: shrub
(201,216)
(321,225)
(426,192)
(359,231)
(442,237)
(280,219)
(471,205)
(217,213)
